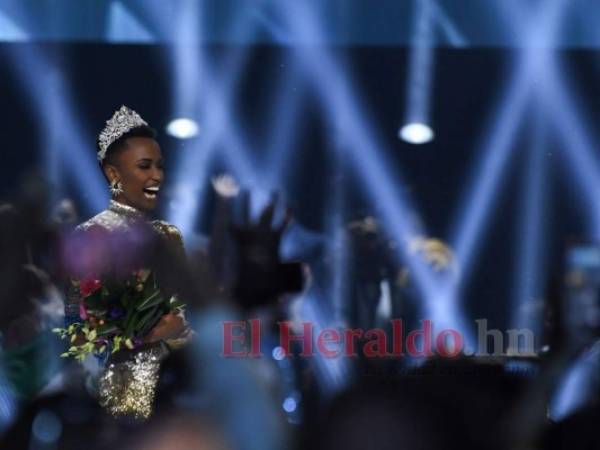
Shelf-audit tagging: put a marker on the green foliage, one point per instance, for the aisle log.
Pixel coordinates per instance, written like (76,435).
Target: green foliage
(143,304)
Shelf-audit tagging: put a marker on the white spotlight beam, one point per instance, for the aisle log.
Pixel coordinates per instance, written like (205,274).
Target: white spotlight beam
(420,65)
(193,168)
(188,62)
(337,240)
(55,108)
(10,31)
(340,102)
(338,254)
(284,112)
(221,134)
(529,254)
(579,149)
(342,106)
(554,95)
(482,190)
(575,388)
(279,34)
(487,174)
(452,33)
(284,125)
(554,89)
(192,69)
(214,111)
(334,371)
(124,26)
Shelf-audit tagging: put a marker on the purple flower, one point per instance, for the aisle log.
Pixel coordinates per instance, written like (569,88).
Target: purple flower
(116,312)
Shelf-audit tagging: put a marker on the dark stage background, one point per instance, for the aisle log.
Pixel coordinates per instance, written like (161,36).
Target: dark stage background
(467,83)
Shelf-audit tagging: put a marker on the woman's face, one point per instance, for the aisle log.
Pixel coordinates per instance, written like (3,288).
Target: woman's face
(139,169)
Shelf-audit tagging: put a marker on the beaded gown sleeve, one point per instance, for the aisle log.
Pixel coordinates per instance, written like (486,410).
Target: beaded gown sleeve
(176,257)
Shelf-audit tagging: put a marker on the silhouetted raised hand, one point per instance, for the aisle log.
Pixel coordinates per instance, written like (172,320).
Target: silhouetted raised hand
(262,276)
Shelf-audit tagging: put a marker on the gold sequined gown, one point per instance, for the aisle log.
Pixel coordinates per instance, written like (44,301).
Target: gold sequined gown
(127,384)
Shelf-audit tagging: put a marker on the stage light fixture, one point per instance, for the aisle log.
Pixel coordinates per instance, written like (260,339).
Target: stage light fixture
(183,128)
(289,405)
(416,133)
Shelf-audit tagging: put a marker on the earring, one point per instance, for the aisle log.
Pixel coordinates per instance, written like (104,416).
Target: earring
(116,188)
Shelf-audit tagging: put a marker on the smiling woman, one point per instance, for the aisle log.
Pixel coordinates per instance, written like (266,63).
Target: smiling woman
(108,249)
(133,166)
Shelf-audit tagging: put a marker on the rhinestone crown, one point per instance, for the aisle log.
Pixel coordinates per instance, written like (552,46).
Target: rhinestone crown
(121,122)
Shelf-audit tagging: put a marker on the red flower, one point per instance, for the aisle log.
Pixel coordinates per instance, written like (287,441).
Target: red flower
(88,286)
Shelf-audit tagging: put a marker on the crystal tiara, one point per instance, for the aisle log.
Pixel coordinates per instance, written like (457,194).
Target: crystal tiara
(122,121)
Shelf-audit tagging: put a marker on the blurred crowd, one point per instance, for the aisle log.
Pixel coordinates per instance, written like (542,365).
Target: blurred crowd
(206,401)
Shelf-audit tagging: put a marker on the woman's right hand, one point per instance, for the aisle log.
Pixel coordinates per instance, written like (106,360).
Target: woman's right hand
(170,326)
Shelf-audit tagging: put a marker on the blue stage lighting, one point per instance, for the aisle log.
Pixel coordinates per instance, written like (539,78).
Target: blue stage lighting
(528,292)
(555,90)
(498,138)
(8,402)
(451,32)
(338,254)
(333,372)
(54,106)
(43,84)
(572,128)
(183,128)
(299,241)
(487,175)
(191,69)
(418,87)
(289,405)
(579,148)
(278,353)
(416,133)
(46,428)
(10,31)
(236,385)
(124,26)
(284,117)
(340,101)
(575,389)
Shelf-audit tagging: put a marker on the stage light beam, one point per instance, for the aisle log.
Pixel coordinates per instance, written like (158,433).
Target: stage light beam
(341,102)
(497,139)
(124,26)
(527,310)
(418,89)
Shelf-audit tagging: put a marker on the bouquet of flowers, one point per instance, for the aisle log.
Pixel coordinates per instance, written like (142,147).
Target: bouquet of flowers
(116,314)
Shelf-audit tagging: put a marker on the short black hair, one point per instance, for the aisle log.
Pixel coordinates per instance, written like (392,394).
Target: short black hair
(121,144)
